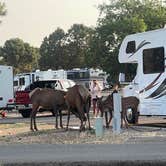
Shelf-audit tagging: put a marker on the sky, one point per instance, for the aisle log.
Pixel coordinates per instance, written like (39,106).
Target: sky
(32,20)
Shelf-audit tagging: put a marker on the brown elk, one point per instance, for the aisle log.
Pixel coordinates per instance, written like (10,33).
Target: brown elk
(78,102)
(47,99)
(106,105)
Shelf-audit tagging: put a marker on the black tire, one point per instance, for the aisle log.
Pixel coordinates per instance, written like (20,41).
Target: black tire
(53,114)
(131,116)
(25,113)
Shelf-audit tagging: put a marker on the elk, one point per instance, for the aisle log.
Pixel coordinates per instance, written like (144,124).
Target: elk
(47,99)
(106,105)
(78,102)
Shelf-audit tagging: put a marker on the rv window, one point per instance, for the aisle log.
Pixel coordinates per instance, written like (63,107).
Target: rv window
(33,77)
(129,70)
(130,47)
(15,83)
(153,60)
(22,81)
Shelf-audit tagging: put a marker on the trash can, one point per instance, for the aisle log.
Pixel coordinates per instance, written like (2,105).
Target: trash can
(99,126)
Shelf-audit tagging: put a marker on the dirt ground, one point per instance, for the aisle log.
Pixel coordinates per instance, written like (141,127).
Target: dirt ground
(19,133)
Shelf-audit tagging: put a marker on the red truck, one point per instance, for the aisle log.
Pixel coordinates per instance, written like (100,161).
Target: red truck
(23,104)
(22,101)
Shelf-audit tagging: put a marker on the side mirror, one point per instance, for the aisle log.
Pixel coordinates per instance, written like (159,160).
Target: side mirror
(121,77)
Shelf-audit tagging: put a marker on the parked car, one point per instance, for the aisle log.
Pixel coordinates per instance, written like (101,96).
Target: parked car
(22,101)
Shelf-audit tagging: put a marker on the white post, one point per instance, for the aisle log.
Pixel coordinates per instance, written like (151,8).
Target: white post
(117,113)
(99,126)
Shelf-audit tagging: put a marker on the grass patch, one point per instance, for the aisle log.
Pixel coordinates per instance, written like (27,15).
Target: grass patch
(15,125)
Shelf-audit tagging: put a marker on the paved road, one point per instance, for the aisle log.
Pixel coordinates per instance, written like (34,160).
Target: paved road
(76,153)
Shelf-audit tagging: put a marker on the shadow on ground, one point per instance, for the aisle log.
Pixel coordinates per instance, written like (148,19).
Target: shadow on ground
(91,163)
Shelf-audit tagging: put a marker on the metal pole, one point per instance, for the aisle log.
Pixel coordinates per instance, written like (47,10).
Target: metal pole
(117,113)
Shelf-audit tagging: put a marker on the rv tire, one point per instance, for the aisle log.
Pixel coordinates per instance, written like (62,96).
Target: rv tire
(131,116)
(26,113)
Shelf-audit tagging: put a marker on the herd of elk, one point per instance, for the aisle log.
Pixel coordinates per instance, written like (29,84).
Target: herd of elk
(106,106)
(76,100)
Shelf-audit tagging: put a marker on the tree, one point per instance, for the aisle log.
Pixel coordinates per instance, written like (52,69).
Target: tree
(120,18)
(95,51)
(65,50)
(20,55)
(52,51)
(2,13)
(2,10)
(77,44)
(1,57)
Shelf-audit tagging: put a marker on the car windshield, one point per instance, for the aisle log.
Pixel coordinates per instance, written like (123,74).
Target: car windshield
(72,83)
(42,84)
(65,84)
(54,84)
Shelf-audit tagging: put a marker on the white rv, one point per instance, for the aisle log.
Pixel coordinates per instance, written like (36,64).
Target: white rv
(6,87)
(85,76)
(22,80)
(148,50)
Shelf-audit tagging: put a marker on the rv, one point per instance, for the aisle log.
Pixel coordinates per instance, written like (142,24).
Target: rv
(147,50)
(85,76)
(22,80)
(6,87)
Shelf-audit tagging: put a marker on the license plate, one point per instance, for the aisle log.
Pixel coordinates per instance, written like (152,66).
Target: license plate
(20,106)
(24,107)
(10,106)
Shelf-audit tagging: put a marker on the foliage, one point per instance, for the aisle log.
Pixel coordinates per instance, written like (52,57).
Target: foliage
(2,13)
(2,10)
(123,17)
(20,55)
(76,45)
(65,50)
(83,46)
(51,50)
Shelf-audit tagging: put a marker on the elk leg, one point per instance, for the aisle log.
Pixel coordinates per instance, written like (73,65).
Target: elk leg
(121,119)
(34,109)
(125,120)
(110,117)
(81,113)
(88,121)
(60,115)
(56,117)
(136,115)
(106,120)
(82,127)
(68,118)
(87,108)
(31,124)
(101,110)
(35,125)
(126,123)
